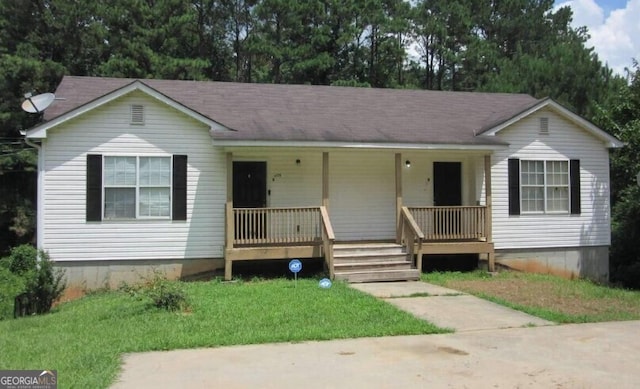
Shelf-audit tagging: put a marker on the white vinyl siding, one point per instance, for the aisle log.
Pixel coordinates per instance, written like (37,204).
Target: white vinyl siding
(289,184)
(362,184)
(564,142)
(417,180)
(361,187)
(107,131)
(362,195)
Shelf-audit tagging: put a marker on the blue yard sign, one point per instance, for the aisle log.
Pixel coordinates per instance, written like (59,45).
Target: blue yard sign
(295,266)
(325,283)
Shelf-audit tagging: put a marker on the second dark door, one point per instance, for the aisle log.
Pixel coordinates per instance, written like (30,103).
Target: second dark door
(447,184)
(250,191)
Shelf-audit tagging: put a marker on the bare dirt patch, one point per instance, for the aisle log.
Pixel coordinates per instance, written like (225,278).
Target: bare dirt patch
(545,293)
(71,293)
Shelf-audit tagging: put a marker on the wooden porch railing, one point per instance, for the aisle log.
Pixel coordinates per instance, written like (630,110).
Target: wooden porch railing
(273,226)
(328,239)
(451,223)
(411,236)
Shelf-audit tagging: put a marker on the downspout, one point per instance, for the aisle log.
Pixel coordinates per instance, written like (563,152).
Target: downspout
(39,196)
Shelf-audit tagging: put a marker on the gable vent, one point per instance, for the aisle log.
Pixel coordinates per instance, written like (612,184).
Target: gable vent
(137,114)
(544,126)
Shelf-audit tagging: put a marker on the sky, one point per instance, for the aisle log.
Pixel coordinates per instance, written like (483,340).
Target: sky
(614,27)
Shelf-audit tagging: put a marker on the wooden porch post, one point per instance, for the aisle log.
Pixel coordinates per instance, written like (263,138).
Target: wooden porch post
(325,180)
(488,213)
(229,218)
(398,197)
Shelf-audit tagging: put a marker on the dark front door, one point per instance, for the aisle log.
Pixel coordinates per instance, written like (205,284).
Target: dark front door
(447,184)
(447,191)
(250,191)
(249,184)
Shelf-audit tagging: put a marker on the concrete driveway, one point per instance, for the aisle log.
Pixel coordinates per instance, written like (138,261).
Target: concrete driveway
(603,355)
(493,347)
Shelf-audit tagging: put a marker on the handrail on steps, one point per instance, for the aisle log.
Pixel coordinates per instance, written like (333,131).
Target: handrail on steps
(328,239)
(410,235)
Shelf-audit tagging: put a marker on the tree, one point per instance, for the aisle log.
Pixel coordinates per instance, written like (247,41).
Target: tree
(622,118)
(240,28)
(24,67)
(552,62)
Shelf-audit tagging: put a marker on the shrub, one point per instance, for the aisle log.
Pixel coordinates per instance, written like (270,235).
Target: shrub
(11,286)
(41,283)
(45,285)
(161,293)
(22,259)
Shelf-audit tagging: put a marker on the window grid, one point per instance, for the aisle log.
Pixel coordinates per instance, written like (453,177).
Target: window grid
(544,186)
(137,187)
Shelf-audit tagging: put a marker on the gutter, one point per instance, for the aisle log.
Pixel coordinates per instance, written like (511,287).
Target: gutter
(359,145)
(40,193)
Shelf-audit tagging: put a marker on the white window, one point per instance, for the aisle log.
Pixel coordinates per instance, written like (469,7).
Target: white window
(544,186)
(137,187)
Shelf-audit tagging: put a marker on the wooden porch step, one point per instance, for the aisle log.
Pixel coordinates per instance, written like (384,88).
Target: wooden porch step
(366,256)
(345,249)
(372,265)
(379,275)
(371,262)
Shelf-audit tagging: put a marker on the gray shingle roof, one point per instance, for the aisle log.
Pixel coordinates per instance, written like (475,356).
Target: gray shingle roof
(269,112)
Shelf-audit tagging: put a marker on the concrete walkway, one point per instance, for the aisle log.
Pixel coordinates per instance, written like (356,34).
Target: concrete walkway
(449,308)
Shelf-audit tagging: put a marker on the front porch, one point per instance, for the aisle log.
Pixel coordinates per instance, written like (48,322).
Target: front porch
(269,232)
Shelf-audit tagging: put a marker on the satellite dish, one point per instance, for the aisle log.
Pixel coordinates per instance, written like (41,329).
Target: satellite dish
(37,103)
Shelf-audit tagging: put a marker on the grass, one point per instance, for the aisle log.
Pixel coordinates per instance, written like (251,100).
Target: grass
(85,339)
(546,296)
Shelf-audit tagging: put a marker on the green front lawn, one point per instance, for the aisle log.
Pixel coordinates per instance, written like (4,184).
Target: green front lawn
(85,339)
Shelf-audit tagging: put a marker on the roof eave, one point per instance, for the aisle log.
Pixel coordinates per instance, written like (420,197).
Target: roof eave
(40,131)
(359,145)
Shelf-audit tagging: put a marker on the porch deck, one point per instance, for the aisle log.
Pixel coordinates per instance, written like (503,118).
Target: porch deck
(306,232)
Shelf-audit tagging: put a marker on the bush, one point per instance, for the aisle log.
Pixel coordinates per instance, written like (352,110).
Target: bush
(22,259)
(162,293)
(45,285)
(11,286)
(41,284)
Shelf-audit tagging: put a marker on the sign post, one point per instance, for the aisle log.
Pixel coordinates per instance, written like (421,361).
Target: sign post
(295,266)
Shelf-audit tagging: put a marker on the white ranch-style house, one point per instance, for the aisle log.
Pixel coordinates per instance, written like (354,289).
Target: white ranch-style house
(190,177)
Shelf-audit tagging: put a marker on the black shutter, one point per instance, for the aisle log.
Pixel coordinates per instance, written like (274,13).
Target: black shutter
(179,187)
(574,176)
(514,186)
(94,188)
